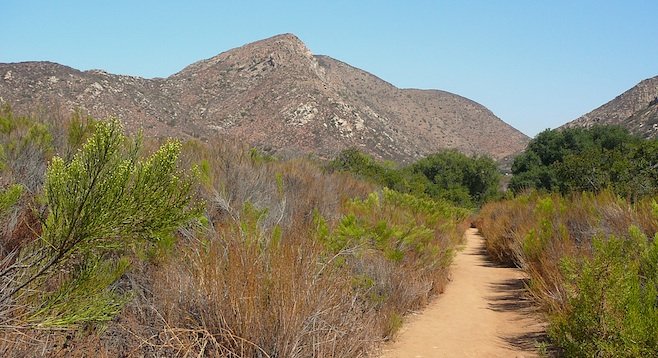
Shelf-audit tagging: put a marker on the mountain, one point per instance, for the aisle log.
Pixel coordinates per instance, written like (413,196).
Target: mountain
(274,94)
(635,109)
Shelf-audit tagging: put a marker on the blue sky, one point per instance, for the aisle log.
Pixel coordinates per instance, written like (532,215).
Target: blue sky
(535,64)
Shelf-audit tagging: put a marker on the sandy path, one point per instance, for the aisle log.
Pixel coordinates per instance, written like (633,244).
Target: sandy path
(481,313)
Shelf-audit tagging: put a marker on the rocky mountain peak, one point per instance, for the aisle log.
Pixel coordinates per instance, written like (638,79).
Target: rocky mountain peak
(281,50)
(273,93)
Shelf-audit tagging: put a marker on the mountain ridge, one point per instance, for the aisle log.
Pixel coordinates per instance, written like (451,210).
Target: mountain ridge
(635,109)
(273,93)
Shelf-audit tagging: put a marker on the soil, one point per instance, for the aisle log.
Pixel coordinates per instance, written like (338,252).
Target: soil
(482,313)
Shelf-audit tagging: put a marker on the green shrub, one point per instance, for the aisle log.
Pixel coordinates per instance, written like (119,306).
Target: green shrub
(97,206)
(397,224)
(612,309)
(9,197)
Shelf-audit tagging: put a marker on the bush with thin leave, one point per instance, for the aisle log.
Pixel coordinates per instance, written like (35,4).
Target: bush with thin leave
(101,202)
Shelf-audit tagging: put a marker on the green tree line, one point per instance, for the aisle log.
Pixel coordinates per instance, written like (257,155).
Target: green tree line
(447,175)
(588,159)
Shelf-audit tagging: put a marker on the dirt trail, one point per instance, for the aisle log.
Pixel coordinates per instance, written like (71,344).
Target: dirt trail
(481,314)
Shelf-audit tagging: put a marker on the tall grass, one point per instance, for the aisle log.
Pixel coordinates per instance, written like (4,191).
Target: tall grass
(287,260)
(592,263)
(311,265)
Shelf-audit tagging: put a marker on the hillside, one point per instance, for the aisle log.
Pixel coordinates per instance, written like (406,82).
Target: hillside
(275,94)
(635,109)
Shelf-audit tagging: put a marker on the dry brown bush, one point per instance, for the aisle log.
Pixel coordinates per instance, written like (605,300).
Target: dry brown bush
(565,229)
(250,300)
(260,284)
(255,281)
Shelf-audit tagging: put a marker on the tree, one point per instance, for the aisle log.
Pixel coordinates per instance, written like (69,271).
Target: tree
(454,176)
(450,175)
(588,159)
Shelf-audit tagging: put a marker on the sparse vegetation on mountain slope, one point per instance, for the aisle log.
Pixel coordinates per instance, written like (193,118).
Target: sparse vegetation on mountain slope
(636,110)
(273,94)
(148,248)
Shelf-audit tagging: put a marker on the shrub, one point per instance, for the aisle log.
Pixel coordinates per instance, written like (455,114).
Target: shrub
(592,267)
(97,205)
(309,266)
(612,308)
(249,293)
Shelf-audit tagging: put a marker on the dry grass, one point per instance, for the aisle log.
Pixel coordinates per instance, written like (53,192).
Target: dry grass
(256,280)
(251,300)
(535,232)
(552,237)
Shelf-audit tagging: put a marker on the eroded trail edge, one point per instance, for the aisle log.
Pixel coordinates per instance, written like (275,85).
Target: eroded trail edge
(482,313)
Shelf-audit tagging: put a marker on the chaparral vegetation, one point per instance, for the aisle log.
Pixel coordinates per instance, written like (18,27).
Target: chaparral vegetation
(114,244)
(583,225)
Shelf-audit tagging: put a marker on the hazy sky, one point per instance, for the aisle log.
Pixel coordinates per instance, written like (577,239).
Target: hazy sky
(535,64)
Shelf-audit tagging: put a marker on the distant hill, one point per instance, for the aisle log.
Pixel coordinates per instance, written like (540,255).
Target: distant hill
(275,94)
(635,109)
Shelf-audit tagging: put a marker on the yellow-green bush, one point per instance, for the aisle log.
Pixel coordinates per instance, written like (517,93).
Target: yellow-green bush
(96,206)
(611,309)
